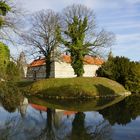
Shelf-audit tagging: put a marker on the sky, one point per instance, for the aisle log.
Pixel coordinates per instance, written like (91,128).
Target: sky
(122,17)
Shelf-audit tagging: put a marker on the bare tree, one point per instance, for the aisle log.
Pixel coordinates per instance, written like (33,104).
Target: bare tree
(40,37)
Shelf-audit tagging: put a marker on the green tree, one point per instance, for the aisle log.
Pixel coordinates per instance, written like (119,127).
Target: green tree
(4,59)
(76,30)
(79,35)
(10,21)
(13,72)
(4,9)
(10,96)
(122,70)
(123,112)
(133,81)
(8,69)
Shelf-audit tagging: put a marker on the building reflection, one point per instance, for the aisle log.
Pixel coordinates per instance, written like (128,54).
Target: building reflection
(57,128)
(23,107)
(43,123)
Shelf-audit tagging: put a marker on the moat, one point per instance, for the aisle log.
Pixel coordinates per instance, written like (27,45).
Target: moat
(37,119)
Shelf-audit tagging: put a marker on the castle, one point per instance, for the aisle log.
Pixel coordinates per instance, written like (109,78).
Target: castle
(62,68)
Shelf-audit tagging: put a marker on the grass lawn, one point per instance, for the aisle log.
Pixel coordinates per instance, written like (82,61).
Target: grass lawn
(74,87)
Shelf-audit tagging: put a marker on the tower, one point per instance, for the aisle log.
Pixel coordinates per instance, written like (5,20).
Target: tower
(22,63)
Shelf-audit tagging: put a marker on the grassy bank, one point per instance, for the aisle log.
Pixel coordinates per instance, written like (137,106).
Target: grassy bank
(75,87)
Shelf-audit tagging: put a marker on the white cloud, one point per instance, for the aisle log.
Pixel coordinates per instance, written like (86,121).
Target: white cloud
(122,26)
(34,5)
(126,38)
(119,16)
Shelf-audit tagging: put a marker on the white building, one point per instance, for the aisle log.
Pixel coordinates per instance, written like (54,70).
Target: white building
(63,68)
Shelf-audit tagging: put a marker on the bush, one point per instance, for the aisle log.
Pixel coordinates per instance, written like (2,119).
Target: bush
(13,72)
(10,96)
(122,70)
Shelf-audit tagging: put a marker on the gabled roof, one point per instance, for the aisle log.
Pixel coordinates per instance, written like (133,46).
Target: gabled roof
(38,62)
(87,60)
(66,58)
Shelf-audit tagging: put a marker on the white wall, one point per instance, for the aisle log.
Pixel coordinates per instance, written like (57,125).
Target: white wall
(63,70)
(90,70)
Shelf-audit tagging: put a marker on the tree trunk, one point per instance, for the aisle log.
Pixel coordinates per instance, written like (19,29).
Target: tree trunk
(77,64)
(79,75)
(48,67)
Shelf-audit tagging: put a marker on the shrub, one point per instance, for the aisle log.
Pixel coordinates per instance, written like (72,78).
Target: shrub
(13,72)
(122,70)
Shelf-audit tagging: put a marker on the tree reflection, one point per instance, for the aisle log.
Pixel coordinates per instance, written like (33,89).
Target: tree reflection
(55,125)
(55,128)
(78,127)
(48,133)
(10,96)
(122,112)
(101,131)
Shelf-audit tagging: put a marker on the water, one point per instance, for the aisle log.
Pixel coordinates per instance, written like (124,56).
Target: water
(37,119)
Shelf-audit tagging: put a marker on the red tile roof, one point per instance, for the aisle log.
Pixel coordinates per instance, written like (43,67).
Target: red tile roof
(43,108)
(39,107)
(87,60)
(93,60)
(69,112)
(66,58)
(38,62)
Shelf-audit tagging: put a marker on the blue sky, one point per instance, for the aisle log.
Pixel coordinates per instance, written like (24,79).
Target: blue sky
(122,17)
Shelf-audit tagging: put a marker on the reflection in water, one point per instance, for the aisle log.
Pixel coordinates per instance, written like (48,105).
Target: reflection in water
(23,107)
(77,105)
(101,131)
(49,131)
(72,127)
(78,127)
(37,122)
(123,112)
(10,96)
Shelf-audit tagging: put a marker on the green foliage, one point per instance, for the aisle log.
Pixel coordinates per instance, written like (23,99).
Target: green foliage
(76,32)
(79,36)
(4,59)
(122,70)
(13,72)
(8,70)
(123,112)
(10,96)
(20,70)
(1,21)
(4,8)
